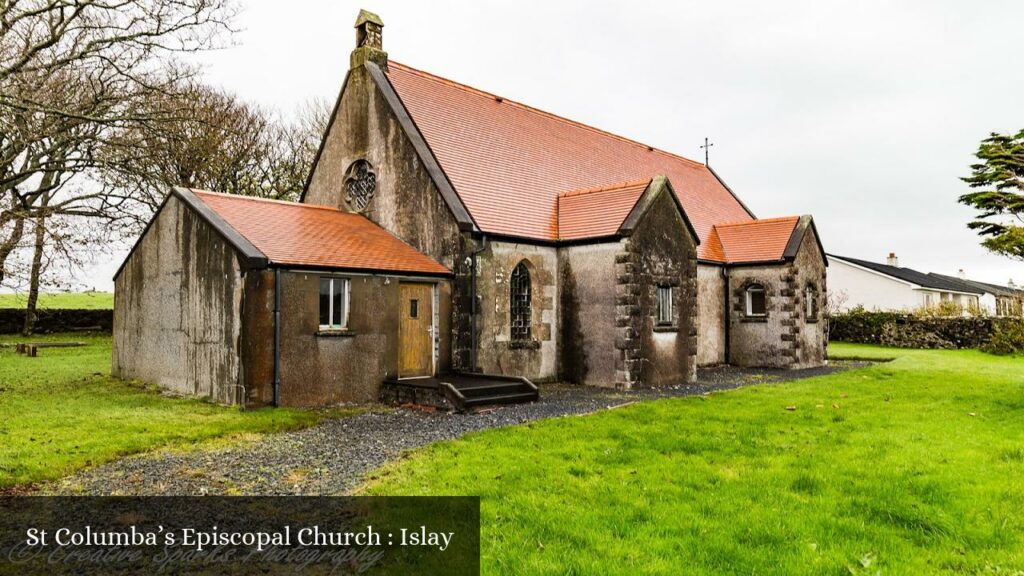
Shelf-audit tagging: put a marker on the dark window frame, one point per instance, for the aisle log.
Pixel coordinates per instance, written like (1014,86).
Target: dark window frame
(520,305)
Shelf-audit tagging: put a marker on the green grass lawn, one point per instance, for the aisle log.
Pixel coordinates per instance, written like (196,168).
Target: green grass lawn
(74,300)
(61,412)
(915,466)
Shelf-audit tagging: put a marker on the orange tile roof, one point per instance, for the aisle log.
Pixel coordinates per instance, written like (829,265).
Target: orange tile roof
(294,234)
(509,162)
(755,241)
(597,212)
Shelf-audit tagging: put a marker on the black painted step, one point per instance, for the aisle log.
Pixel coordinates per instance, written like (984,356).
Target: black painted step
(501,399)
(496,389)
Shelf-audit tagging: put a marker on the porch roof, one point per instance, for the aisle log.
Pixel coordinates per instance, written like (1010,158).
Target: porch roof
(310,236)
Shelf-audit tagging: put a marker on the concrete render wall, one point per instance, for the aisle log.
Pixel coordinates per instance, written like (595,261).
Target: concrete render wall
(710,315)
(322,368)
(406,201)
(177,309)
(587,306)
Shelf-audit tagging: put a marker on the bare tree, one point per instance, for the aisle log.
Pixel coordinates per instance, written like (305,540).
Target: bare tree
(74,72)
(835,302)
(223,144)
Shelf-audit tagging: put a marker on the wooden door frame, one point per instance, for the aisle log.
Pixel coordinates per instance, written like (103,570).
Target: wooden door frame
(434,330)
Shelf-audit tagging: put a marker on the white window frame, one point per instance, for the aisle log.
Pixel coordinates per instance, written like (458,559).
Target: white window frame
(664,305)
(347,287)
(748,297)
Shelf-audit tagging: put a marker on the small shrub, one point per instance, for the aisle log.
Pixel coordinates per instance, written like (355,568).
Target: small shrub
(944,309)
(1007,338)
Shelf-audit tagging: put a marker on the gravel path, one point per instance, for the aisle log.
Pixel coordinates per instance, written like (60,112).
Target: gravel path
(334,456)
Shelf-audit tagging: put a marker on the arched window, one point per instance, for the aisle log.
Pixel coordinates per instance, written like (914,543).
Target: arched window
(811,303)
(520,293)
(757,304)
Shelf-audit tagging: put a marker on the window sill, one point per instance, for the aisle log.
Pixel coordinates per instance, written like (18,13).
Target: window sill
(754,319)
(334,333)
(666,328)
(524,344)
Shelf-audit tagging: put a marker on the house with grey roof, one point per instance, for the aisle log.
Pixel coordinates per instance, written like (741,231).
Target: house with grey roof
(999,300)
(890,287)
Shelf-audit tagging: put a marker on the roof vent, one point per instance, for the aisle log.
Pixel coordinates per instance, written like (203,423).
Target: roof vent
(499,99)
(892,260)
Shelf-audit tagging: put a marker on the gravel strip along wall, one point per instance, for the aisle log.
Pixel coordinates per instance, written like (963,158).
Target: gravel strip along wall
(336,456)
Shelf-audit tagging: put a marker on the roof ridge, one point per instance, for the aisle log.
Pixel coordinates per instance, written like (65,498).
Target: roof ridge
(607,188)
(468,88)
(267,200)
(756,221)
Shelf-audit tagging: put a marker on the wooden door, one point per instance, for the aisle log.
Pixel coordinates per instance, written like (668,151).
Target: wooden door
(415,337)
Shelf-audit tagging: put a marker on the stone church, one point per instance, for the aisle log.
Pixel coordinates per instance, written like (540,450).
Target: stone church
(445,231)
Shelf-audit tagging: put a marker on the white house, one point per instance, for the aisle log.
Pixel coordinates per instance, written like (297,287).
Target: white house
(995,299)
(888,287)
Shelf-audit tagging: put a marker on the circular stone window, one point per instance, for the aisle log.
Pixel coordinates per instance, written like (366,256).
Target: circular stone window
(360,182)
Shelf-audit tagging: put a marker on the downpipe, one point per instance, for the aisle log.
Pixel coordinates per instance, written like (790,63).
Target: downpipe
(473,330)
(277,338)
(726,318)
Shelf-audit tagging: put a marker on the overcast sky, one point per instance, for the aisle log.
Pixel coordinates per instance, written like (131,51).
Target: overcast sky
(863,114)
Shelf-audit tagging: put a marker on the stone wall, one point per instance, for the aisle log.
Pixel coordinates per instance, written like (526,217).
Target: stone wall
(50,321)
(785,337)
(908,331)
(659,253)
(498,353)
(809,338)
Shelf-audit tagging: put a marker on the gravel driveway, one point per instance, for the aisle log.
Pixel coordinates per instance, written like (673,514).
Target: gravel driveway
(334,456)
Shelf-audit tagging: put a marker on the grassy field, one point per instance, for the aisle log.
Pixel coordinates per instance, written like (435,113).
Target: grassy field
(915,466)
(61,411)
(74,300)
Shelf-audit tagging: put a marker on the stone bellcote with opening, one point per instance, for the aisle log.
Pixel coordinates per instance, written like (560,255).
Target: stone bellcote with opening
(369,41)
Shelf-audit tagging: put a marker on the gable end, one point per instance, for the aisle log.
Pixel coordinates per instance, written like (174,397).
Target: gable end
(451,198)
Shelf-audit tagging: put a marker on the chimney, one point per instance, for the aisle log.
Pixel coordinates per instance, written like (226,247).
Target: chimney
(1010,284)
(369,41)
(892,260)
(961,275)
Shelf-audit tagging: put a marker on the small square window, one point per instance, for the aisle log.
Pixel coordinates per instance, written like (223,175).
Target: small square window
(334,293)
(757,304)
(664,306)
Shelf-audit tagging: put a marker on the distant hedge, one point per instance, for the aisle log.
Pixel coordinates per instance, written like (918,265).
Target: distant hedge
(12,320)
(912,331)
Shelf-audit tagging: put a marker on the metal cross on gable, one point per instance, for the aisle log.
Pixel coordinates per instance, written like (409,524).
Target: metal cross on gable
(706,146)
